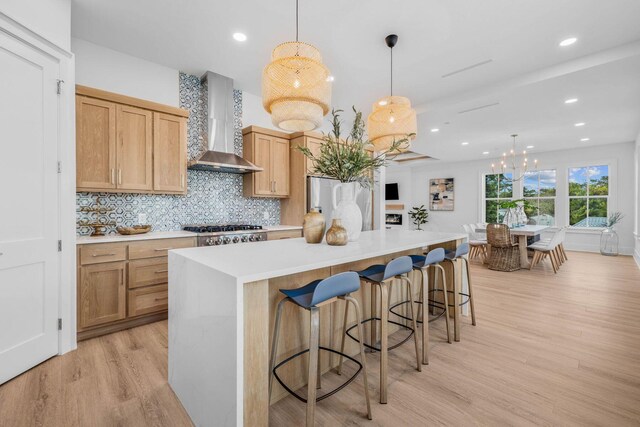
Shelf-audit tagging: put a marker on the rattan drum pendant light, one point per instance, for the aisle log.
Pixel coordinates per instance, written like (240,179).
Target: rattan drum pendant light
(392,117)
(296,87)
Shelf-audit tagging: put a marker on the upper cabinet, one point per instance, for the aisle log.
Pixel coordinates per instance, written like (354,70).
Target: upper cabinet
(270,151)
(129,145)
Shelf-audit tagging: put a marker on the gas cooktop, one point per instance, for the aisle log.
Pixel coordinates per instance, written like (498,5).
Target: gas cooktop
(217,228)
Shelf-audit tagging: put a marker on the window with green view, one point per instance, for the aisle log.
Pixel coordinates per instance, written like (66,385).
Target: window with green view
(498,188)
(539,190)
(588,196)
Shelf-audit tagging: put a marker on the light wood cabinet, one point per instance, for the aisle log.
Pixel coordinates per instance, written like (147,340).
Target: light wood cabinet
(102,294)
(121,285)
(270,151)
(284,234)
(170,153)
(134,149)
(129,145)
(314,145)
(96,144)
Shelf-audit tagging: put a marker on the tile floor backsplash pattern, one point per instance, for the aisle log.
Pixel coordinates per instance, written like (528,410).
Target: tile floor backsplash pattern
(212,196)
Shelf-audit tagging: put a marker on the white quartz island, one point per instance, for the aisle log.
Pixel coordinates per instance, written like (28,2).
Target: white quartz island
(221,304)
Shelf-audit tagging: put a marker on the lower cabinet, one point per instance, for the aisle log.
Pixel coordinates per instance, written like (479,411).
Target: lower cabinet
(284,234)
(121,285)
(102,294)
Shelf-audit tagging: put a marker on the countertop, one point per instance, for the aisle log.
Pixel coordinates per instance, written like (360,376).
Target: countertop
(112,238)
(248,262)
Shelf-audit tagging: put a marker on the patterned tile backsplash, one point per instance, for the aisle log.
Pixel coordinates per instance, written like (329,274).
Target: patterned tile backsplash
(211,197)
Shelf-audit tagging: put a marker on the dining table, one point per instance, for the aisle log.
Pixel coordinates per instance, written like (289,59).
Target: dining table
(522,233)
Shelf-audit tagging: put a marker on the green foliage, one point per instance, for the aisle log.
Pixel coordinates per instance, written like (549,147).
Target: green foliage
(614,218)
(419,215)
(350,159)
(512,204)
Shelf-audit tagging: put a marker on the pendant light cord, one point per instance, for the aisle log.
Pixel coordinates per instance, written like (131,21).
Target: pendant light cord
(296,20)
(391,71)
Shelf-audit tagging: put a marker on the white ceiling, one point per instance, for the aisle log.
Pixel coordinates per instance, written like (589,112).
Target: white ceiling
(529,75)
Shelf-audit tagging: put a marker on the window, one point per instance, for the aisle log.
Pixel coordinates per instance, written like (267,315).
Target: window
(539,190)
(498,188)
(588,196)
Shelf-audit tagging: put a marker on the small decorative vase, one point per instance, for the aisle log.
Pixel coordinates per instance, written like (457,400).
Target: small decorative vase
(521,215)
(337,234)
(313,226)
(347,209)
(509,218)
(609,242)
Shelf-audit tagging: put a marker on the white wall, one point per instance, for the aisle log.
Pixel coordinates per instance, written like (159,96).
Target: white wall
(107,69)
(50,19)
(468,187)
(636,232)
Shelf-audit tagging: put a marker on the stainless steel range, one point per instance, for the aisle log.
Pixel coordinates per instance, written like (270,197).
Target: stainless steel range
(217,234)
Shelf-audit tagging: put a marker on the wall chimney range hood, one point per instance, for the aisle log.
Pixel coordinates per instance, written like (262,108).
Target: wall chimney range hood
(220,156)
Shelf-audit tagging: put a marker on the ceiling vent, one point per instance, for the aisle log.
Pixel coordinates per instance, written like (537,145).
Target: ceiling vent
(480,107)
(409,156)
(470,67)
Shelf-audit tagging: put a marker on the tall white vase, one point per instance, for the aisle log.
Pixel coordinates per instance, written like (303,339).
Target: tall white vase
(346,208)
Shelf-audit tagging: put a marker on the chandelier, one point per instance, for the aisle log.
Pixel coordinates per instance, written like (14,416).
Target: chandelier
(512,163)
(392,117)
(296,86)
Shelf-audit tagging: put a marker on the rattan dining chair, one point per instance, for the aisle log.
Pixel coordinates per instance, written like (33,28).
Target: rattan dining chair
(505,254)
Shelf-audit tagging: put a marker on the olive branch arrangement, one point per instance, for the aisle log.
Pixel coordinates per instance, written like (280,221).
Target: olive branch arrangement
(350,159)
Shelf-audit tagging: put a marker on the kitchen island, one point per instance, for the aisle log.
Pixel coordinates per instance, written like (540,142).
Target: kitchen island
(222,301)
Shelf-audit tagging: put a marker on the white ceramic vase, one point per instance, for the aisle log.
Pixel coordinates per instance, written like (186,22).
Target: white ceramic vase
(346,209)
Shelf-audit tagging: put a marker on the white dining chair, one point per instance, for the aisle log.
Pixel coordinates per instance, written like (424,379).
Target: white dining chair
(478,247)
(542,249)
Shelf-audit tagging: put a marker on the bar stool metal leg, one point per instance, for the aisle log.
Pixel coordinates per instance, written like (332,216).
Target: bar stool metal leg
(314,328)
(473,312)
(274,344)
(353,301)
(425,316)
(446,300)
(413,321)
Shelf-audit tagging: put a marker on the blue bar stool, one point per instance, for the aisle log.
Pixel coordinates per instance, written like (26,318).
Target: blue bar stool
(456,257)
(422,263)
(311,297)
(382,276)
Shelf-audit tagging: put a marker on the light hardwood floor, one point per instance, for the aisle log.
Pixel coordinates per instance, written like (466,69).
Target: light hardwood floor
(548,350)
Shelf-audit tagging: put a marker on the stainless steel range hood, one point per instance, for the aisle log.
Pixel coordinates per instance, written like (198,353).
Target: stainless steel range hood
(220,156)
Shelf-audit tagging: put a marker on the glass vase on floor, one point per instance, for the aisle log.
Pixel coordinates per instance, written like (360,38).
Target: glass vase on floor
(609,242)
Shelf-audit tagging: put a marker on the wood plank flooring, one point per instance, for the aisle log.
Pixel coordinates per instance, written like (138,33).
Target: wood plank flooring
(548,350)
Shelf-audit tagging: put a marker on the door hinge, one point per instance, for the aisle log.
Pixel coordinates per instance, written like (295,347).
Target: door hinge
(59,245)
(58,86)
(59,166)
(59,324)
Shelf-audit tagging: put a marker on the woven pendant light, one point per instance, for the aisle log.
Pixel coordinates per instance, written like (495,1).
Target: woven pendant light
(296,87)
(392,117)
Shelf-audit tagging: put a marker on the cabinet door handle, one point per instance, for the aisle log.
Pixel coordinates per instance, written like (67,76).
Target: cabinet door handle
(275,186)
(119,176)
(162,249)
(181,180)
(161,299)
(97,255)
(161,271)
(113,176)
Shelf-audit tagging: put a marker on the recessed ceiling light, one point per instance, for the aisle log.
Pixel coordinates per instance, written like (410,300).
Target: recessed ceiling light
(465,143)
(241,37)
(529,146)
(485,152)
(571,100)
(330,78)
(435,130)
(568,42)
(579,124)
(584,139)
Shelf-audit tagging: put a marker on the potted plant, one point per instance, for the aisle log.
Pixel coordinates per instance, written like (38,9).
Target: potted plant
(351,161)
(515,215)
(418,215)
(609,237)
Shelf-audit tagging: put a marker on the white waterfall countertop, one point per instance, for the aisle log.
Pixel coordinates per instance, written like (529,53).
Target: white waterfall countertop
(249,262)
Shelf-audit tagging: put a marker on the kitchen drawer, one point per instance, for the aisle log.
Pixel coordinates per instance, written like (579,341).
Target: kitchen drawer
(149,271)
(158,248)
(102,252)
(284,234)
(148,300)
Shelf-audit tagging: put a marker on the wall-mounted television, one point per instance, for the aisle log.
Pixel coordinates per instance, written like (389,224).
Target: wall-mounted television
(391,191)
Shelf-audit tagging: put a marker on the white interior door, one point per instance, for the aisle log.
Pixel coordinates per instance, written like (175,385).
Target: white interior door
(29,223)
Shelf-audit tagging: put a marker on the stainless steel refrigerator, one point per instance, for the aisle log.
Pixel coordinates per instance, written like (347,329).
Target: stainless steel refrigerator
(320,192)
